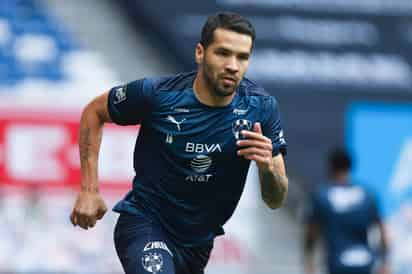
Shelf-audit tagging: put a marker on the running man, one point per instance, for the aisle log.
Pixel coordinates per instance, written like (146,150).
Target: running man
(199,132)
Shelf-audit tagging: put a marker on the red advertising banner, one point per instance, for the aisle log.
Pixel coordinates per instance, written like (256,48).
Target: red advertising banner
(40,147)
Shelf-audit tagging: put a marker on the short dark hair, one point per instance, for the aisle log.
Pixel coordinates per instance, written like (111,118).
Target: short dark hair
(339,160)
(226,20)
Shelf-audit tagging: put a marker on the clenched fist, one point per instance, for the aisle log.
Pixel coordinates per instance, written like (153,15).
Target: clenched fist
(89,208)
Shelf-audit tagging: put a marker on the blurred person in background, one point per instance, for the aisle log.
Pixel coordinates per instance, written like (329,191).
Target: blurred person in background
(199,131)
(343,214)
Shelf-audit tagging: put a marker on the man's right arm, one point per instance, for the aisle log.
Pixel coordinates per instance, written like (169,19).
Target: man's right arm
(310,237)
(383,267)
(89,206)
(94,115)
(311,233)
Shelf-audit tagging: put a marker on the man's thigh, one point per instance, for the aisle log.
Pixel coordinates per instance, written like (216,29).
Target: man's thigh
(142,247)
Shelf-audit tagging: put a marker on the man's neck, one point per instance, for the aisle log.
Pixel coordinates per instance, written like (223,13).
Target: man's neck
(203,93)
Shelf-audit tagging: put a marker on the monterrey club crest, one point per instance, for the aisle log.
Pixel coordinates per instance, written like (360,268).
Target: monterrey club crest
(239,125)
(120,95)
(152,262)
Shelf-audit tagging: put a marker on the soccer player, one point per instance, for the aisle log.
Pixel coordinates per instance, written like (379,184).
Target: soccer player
(199,132)
(343,213)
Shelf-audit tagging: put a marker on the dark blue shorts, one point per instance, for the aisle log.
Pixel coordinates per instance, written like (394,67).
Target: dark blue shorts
(143,248)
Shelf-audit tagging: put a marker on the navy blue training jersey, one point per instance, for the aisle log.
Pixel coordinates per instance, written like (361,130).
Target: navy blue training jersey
(344,214)
(188,175)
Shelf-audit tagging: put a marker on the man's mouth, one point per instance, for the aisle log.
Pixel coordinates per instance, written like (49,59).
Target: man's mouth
(229,80)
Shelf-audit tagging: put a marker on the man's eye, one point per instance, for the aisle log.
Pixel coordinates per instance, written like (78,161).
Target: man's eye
(223,53)
(243,57)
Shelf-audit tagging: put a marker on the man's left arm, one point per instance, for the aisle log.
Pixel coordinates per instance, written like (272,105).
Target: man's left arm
(272,172)
(274,183)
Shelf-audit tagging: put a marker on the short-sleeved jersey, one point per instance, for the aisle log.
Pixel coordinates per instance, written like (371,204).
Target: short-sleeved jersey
(189,177)
(344,214)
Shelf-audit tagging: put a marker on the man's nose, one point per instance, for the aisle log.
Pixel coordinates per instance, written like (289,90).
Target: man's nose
(232,65)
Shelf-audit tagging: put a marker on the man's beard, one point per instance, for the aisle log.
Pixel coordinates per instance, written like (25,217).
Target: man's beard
(213,84)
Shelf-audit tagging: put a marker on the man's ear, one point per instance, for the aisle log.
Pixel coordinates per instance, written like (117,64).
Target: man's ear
(199,53)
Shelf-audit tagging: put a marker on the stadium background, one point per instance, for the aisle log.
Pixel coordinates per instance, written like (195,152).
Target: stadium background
(340,69)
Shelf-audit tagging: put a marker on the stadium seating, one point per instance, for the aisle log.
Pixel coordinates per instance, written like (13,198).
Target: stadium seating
(38,55)
(31,43)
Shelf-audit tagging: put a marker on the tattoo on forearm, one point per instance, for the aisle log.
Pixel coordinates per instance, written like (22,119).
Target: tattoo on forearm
(86,155)
(274,187)
(84,144)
